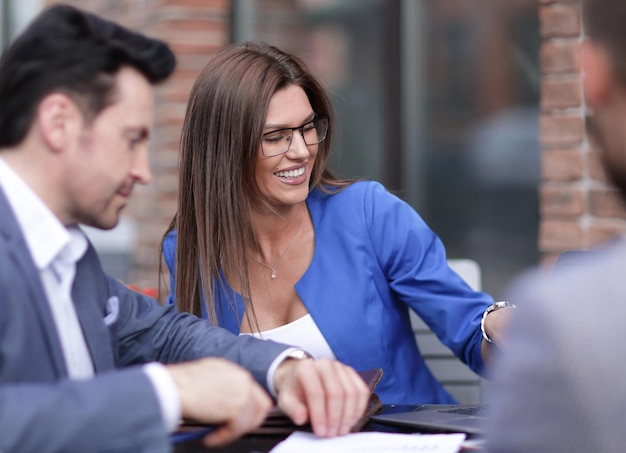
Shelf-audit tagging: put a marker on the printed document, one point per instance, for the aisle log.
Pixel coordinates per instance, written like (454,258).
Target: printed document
(371,442)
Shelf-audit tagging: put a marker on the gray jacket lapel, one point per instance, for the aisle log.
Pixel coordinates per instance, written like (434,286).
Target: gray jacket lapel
(90,294)
(20,257)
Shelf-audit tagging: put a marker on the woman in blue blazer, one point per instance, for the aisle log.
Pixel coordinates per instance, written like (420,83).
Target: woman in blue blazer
(268,242)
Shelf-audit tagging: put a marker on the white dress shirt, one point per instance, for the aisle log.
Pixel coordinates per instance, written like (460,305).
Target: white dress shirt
(55,251)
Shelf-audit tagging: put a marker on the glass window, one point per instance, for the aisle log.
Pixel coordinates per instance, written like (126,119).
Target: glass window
(437,100)
(481,146)
(4,24)
(343,42)
(14,16)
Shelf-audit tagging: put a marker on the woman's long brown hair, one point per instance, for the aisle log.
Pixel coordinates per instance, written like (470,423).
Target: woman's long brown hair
(219,150)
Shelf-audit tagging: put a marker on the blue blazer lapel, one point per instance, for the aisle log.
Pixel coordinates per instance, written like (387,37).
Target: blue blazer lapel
(90,301)
(20,256)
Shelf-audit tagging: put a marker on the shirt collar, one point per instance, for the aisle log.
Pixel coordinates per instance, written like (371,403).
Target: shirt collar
(45,236)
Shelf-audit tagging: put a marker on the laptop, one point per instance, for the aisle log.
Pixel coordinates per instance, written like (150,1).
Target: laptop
(442,418)
(574,259)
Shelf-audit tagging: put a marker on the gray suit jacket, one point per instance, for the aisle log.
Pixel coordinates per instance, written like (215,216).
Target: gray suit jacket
(560,386)
(41,410)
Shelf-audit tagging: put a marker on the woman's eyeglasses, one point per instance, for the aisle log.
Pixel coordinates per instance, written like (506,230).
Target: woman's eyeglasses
(278,142)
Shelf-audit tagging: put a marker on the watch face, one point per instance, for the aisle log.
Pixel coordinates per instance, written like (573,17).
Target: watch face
(299,354)
(500,304)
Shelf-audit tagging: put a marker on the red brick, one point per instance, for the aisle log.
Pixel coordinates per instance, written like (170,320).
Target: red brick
(561,93)
(207,4)
(168,186)
(550,2)
(178,89)
(165,161)
(199,49)
(600,232)
(209,37)
(560,130)
(561,201)
(560,21)
(561,165)
(557,235)
(606,203)
(190,65)
(560,57)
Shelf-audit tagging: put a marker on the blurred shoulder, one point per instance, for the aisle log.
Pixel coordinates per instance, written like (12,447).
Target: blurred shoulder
(591,282)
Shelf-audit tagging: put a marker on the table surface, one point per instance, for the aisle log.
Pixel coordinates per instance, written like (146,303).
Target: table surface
(264,443)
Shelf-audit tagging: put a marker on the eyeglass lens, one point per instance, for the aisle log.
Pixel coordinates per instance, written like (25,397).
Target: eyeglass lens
(279,141)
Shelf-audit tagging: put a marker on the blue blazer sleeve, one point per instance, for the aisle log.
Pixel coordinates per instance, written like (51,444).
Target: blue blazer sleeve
(169,255)
(414,260)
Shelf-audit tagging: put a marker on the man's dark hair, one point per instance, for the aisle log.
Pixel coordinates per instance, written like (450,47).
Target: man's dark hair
(605,22)
(70,51)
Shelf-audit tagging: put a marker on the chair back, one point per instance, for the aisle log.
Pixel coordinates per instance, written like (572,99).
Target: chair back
(456,377)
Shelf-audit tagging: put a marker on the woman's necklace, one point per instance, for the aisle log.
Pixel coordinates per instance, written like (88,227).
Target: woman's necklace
(274,269)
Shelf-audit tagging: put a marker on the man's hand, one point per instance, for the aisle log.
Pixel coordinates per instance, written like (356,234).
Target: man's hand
(330,395)
(214,390)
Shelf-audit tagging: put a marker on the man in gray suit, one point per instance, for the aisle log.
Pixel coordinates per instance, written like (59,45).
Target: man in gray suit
(85,363)
(560,386)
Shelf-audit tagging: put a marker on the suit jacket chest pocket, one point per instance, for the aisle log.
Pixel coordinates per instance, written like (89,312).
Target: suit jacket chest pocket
(112,312)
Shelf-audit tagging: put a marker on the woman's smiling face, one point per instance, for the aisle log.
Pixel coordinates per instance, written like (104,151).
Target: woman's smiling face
(285,178)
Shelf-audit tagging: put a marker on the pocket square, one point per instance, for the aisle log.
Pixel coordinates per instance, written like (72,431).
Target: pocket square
(113,310)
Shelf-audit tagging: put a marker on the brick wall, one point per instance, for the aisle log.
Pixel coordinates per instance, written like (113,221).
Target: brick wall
(194,29)
(578,208)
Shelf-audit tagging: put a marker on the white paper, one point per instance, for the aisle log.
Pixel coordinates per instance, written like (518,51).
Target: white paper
(370,442)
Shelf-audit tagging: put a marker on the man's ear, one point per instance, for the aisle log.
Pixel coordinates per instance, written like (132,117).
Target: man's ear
(58,118)
(597,74)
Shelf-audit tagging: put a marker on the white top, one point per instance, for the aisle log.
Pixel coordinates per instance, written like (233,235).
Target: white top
(303,333)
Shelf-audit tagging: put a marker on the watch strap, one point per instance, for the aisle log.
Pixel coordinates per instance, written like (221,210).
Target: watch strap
(491,308)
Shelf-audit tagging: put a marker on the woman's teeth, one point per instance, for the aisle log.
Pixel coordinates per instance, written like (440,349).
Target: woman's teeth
(291,173)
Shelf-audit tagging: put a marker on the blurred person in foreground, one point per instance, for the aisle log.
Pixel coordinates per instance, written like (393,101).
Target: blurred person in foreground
(561,385)
(87,364)
(268,242)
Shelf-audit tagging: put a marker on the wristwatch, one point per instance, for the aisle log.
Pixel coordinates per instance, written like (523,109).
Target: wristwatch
(295,354)
(493,307)
(298,354)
